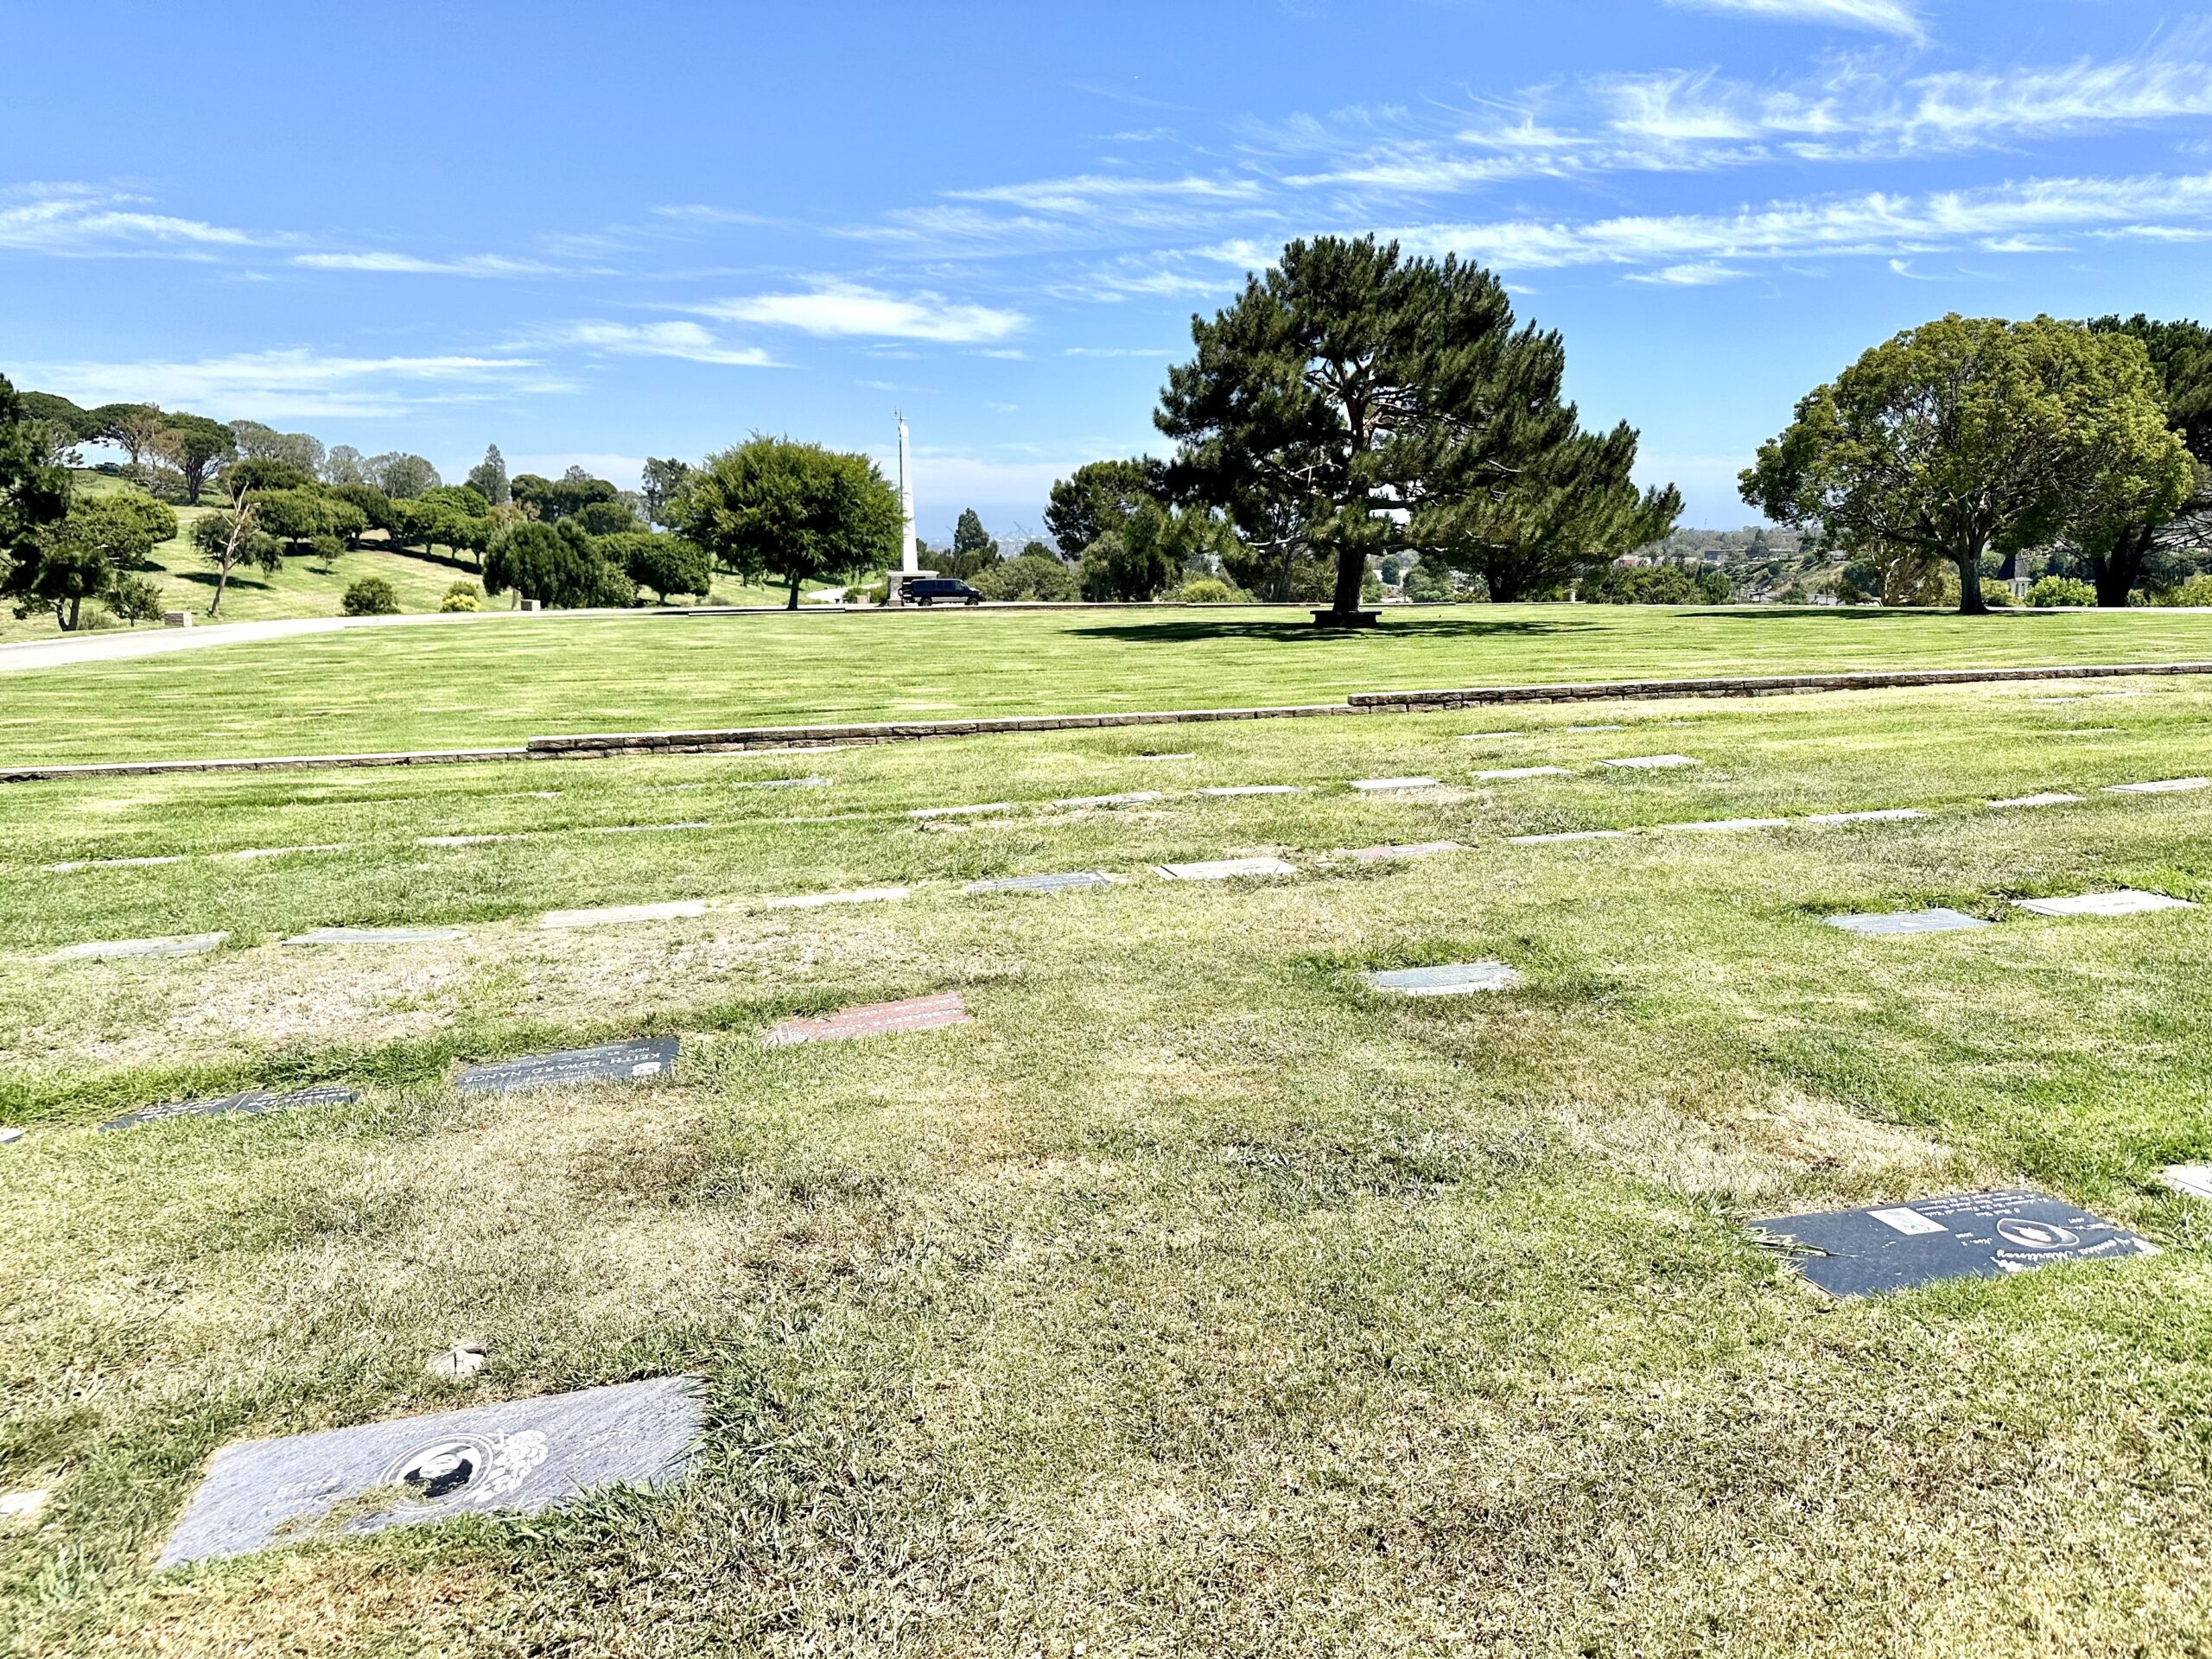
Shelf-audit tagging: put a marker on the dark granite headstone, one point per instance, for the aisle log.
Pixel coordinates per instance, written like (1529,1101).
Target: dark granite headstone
(1966,1236)
(630,1062)
(250,1100)
(524,1456)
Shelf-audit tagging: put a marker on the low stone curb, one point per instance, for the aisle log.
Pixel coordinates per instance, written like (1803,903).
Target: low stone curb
(609,744)
(1772,685)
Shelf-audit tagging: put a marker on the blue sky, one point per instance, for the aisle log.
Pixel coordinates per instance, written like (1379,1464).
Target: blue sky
(592,233)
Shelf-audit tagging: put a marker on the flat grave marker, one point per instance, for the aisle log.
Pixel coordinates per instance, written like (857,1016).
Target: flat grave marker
(634,1061)
(2192,1180)
(643,829)
(2163,786)
(1879,815)
(1456,979)
(1483,737)
(1966,1236)
(249,1100)
(459,841)
(179,944)
(2124,902)
(611,915)
(12,1133)
(776,783)
(875,1020)
(1512,774)
(1559,838)
(960,811)
(1180,754)
(1065,883)
(376,935)
(1896,923)
(1131,797)
(1256,789)
(857,896)
(2054,798)
(247,853)
(1390,786)
(1729,826)
(1226,869)
(524,1456)
(1416,849)
(1597,728)
(1653,762)
(74,865)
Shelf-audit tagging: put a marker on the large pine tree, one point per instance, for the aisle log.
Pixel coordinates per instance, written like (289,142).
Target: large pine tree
(1353,404)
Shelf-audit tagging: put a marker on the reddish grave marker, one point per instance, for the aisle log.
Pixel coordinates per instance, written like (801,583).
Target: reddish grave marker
(916,1014)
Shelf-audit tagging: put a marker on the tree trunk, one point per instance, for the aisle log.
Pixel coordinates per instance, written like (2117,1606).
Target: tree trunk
(76,604)
(222,581)
(792,603)
(2116,572)
(1351,571)
(1971,603)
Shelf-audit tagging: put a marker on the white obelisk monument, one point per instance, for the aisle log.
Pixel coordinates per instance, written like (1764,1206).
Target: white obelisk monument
(907,564)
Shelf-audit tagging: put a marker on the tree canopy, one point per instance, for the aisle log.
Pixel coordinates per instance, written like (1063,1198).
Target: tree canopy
(33,497)
(795,512)
(2123,552)
(1101,496)
(1968,437)
(1353,402)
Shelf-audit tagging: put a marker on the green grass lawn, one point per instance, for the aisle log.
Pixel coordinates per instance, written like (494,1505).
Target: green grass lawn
(1193,1300)
(307,587)
(504,680)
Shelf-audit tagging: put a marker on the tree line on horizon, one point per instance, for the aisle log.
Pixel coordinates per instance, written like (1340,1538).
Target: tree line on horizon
(1354,417)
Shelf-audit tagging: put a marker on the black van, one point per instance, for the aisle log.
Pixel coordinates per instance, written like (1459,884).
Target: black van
(933,589)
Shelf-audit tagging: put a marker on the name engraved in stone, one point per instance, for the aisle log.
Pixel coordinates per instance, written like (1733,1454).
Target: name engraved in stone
(1966,1236)
(634,1061)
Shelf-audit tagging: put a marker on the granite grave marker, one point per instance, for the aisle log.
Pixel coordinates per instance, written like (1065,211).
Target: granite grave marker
(1226,869)
(1654,762)
(2124,902)
(875,1020)
(1509,774)
(1388,785)
(376,935)
(1457,979)
(1068,882)
(1937,921)
(1966,1236)
(524,1456)
(633,1061)
(2193,1180)
(250,1100)
(181,944)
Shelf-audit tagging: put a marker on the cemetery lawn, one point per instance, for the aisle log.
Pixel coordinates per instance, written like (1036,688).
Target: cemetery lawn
(1194,1298)
(505,679)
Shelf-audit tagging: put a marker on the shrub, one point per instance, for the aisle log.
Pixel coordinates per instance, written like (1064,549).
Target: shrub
(2051,592)
(1996,595)
(134,599)
(1206,590)
(371,596)
(1033,576)
(326,550)
(462,596)
(2196,593)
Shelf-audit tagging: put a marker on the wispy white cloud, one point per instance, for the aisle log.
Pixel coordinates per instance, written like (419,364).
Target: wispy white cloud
(85,220)
(1888,16)
(294,383)
(474,265)
(1692,275)
(851,309)
(1872,224)
(1087,192)
(687,340)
